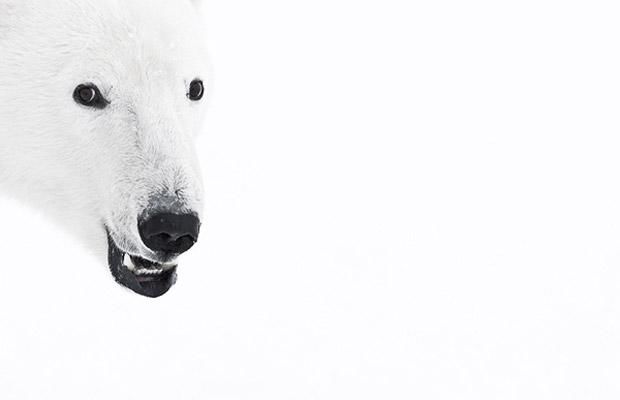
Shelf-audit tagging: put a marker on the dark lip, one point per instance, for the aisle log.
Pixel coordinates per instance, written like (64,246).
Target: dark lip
(149,286)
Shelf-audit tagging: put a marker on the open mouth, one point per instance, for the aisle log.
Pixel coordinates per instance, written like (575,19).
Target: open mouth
(144,277)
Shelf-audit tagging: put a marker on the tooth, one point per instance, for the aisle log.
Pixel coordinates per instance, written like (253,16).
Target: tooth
(128,262)
(148,272)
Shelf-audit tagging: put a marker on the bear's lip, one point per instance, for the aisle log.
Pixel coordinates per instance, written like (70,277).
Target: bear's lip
(144,277)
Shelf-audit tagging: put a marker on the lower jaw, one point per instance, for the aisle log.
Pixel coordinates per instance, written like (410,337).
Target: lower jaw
(148,285)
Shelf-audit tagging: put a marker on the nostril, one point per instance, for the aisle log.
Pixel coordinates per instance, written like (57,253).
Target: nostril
(171,244)
(170,233)
(182,244)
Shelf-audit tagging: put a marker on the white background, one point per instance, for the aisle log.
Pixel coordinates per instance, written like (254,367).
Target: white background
(406,199)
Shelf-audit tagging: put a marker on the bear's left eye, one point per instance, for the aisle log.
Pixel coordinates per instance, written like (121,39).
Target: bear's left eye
(89,95)
(196,90)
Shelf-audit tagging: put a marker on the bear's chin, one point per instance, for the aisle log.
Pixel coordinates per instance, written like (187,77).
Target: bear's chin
(143,277)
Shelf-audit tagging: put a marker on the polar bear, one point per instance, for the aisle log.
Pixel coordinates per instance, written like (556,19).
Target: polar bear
(100,105)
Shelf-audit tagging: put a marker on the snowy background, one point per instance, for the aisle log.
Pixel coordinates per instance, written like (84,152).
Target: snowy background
(406,199)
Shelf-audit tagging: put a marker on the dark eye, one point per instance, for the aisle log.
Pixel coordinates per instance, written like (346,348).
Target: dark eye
(196,90)
(89,95)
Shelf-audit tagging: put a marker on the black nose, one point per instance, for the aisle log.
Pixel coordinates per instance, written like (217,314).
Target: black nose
(169,233)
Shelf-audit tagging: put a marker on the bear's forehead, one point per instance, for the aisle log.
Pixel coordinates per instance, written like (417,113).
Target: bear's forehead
(127,47)
(155,29)
(134,25)
(117,38)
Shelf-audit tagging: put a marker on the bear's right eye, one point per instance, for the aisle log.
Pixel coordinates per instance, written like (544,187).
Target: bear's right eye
(89,95)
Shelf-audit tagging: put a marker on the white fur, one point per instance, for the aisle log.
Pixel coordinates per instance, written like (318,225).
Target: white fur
(87,167)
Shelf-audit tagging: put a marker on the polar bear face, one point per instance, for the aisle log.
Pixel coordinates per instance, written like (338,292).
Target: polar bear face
(102,101)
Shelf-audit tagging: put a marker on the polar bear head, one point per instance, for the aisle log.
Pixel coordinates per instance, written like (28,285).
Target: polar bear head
(100,105)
